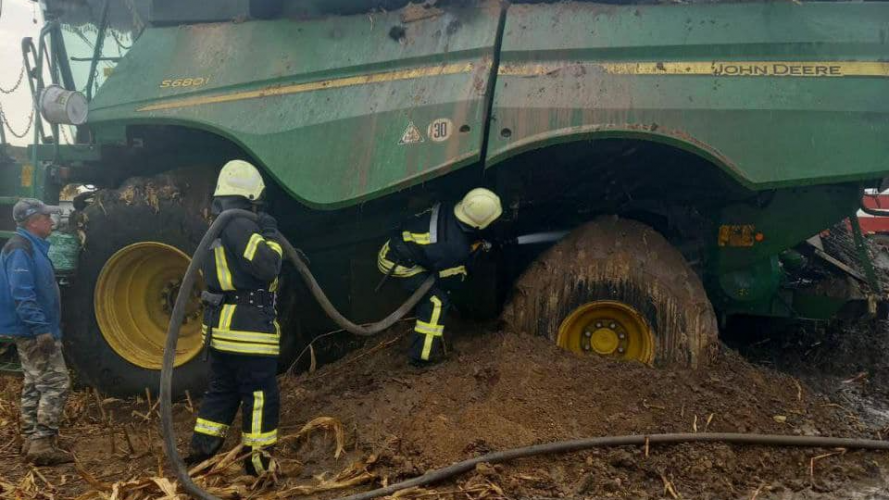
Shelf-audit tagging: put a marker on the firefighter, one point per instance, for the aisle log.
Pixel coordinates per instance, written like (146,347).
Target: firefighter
(439,241)
(240,329)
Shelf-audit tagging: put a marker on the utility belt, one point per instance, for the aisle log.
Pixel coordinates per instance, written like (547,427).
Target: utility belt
(240,342)
(255,298)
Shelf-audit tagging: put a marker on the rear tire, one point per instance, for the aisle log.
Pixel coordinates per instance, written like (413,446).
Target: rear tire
(641,299)
(142,211)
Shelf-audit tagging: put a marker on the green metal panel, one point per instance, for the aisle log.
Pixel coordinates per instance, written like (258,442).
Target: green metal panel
(776,93)
(323,104)
(782,219)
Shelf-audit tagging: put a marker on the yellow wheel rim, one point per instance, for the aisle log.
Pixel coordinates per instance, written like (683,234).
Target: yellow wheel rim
(610,329)
(134,299)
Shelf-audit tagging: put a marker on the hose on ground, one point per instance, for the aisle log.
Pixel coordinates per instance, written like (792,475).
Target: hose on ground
(193,489)
(178,314)
(608,441)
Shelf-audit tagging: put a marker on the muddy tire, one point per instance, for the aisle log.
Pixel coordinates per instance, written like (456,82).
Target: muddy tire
(619,261)
(141,211)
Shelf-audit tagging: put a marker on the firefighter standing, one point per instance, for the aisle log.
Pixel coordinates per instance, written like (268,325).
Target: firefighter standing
(440,240)
(240,324)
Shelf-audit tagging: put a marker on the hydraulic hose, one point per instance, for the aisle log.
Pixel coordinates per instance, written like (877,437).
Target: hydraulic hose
(178,315)
(467,465)
(608,441)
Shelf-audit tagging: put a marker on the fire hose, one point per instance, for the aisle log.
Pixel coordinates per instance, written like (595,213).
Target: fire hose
(293,255)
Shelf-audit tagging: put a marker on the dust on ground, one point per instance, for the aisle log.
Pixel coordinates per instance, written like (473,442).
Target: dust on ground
(497,390)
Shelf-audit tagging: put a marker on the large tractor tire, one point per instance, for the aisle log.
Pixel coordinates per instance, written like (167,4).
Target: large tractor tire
(137,243)
(616,288)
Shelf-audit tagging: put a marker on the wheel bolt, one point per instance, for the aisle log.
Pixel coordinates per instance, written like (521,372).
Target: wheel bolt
(598,325)
(587,334)
(612,326)
(586,347)
(621,336)
(620,350)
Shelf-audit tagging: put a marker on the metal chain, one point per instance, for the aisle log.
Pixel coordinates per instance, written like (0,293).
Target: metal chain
(17,83)
(9,127)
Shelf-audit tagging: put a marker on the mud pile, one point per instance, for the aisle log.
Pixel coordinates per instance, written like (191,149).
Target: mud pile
(500,390)
(496,391)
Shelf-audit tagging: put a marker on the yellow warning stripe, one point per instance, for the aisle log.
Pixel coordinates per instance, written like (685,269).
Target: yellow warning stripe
(431,329)
(335,83)
(223,273)
(210,428)
(816,69)
(252,245)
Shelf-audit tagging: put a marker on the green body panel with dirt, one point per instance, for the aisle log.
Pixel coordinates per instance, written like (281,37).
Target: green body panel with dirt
(343,109)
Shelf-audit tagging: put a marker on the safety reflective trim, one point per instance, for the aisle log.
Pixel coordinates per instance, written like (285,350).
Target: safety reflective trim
(256,458)
(428,329)
(210,428)
(225,317)
(246,337)
(253,439)
(252,245)
(418,238)
(433,224)
(261,439)
(433,323)
(223,274)
(243,348)
(452,271)
(276,333)
(385,265)
(276,247)
(274,286)
(256,419)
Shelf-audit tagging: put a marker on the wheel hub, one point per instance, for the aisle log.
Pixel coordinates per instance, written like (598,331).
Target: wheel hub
(604,340)
(134,299)
(608,328)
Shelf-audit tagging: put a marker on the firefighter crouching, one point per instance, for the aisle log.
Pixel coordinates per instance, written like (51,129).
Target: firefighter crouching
(240,327)
(439,241)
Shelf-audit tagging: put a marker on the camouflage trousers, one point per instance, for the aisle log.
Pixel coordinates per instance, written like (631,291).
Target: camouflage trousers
(45,389)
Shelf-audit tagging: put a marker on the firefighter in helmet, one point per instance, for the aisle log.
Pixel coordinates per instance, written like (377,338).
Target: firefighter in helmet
(439,242)
(240,328)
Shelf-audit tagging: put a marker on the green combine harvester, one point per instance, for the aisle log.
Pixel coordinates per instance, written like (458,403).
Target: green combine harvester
(688,153)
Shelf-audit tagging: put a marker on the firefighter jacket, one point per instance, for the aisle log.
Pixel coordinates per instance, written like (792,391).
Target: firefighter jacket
(243,267)
(432,241)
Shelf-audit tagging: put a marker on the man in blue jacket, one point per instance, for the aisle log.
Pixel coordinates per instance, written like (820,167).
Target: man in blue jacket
(30,312)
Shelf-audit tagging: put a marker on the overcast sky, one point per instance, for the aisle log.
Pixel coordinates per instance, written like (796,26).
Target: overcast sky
(16,22)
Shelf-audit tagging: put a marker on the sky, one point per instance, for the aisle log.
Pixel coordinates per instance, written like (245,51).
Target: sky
(16,22)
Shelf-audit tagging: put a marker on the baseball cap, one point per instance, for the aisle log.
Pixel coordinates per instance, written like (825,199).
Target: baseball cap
(27,207)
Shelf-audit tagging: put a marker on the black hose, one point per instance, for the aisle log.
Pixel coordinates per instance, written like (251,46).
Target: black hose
(438,475)
(178,315)
(582,444)
(335,315)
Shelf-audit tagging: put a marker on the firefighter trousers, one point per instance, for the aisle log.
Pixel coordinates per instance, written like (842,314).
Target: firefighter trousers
(427,341)
(247,382)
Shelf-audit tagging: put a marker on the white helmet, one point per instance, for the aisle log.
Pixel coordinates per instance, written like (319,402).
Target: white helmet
(479,208)
(239,178)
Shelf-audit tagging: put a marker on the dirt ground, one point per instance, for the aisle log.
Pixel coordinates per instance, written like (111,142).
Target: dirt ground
(497,390)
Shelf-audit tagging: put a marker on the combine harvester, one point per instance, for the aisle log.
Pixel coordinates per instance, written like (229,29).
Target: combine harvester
(689,150)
